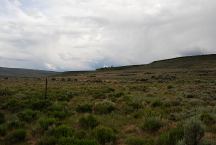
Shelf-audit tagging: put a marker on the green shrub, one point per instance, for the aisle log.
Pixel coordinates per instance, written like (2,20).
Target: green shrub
(104,135)
(73,141)
(84,108)
(171,137)
(48,140)
(181,142)
(80,134)
(152,124)
(104,107)
(156,103)
(170,103)
(136,103)
(59,110)
(208,142)
(118,94)
(3,130)
(67,141)
(127,109)
(40,104)
(58,106)
(13,105)
(193,132)
(58,114)
(66,96)
(170,87)
(5,92)
(137,114)
(61,131)
(15,124)
(16,136)
(207,118)
(27,115)
(86,142)
(2,118)
(46,122)
(135,141)
(88,122)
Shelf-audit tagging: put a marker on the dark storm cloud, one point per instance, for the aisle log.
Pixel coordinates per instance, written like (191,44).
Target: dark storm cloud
(87,34)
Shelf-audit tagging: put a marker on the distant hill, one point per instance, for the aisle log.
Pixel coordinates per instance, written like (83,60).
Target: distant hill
(187,62)
(18,72)
(193,62)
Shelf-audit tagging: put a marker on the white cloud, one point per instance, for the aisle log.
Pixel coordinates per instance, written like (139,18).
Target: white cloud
(85,34)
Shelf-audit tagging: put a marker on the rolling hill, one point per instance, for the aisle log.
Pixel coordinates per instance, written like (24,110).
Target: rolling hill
(18,72)
(187,62)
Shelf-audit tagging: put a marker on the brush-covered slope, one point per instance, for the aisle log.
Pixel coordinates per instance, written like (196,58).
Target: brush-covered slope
(193,62)
(18,72)
(187,62)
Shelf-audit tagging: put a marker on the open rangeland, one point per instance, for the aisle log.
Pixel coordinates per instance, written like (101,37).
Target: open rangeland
(128,106)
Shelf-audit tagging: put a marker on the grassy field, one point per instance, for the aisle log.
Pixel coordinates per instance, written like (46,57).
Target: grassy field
(122,107)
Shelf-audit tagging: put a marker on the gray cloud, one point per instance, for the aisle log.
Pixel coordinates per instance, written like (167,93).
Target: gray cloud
(86,34)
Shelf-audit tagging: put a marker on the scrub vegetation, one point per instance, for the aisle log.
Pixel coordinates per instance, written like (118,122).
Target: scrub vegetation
(126,106)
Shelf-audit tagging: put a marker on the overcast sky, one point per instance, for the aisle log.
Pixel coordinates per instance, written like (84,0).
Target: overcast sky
(87,34)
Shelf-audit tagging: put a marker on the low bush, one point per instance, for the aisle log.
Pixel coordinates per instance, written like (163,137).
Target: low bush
(16,136)
(86,142)
(67,141)
(118,94)
(135,141)
(193,132)
(13,105)
(136,103)
(170,87)
(46,122)
(15,124)
(152,124)
(207,118)
(105,135)
(48,140)
(58,114)
(88,122)
(80,134)
(73,141)
(59,110)
(181,142)
(104,107)
(5,92)
(3,130)
(84,108)
(66,96)
(172,137)
(156,103)
(40,104)
(27,115)
(171,103)
(137,114)
(61,131)
(2,118)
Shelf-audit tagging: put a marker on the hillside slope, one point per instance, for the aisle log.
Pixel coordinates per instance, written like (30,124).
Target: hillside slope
(187,62)
(193,62)
(18,72)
